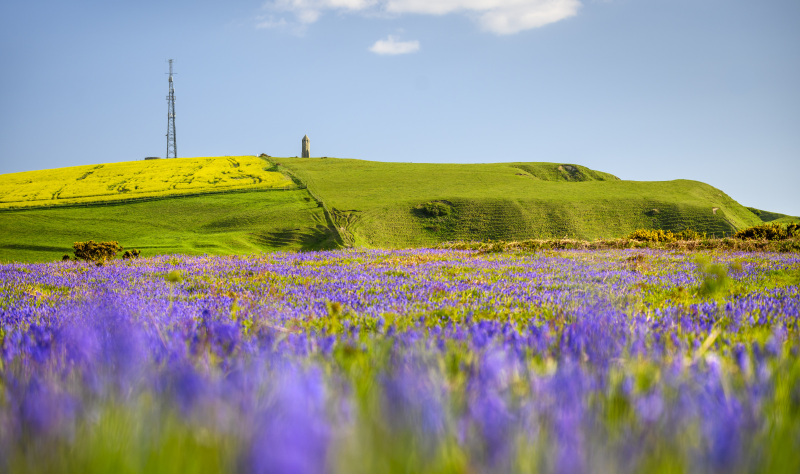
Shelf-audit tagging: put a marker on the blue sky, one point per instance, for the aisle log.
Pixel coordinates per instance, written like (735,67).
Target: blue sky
(645,89)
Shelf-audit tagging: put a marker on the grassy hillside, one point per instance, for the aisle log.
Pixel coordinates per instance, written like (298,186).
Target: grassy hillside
(383,204)
(237,223)
(767,216)
(136,179)
(786,220)
(332,202)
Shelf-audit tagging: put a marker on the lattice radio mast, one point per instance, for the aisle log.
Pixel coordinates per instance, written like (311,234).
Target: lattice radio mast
(172,146)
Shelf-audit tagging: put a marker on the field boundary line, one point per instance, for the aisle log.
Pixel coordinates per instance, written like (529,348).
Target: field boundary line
(344,238)
(115,202)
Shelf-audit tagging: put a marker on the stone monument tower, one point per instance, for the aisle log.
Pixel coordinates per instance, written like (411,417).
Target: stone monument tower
(306,147)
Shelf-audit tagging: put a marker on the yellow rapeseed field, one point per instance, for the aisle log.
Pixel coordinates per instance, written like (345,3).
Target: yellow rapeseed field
(135,179)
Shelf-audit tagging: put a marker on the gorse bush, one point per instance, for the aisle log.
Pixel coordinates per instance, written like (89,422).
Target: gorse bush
(690,234)
(660,235)
(773,231)
(651,235)
(129,254)
(96,251)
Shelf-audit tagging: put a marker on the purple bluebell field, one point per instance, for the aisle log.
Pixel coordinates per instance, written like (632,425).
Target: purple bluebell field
(403,361)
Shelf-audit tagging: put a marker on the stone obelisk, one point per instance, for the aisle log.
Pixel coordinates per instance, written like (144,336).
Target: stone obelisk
(306,147)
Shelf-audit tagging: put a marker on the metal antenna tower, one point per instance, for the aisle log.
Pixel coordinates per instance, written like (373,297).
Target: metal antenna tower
(172,146)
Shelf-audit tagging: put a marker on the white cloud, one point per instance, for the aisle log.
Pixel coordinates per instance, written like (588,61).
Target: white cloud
(392,46)
(502,17)
(309,11)
(512,19)
(270,22)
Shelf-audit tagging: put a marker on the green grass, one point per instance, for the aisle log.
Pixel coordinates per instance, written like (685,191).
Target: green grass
(767,216)
(237,223)
(379,204)
(786,220)
(137,179)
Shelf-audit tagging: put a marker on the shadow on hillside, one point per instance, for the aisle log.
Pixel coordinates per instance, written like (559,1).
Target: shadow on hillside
(37,248)
(308,238)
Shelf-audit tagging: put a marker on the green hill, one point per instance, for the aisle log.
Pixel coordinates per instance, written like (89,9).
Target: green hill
(214,206)
(382,204)
(234,223)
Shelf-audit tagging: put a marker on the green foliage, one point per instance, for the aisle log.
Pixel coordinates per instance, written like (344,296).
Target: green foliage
(715,278)
(785,277)
(334,309)
(144,436)
(435,209)
(770,231)
(174,276)
(533,245)
(96,251)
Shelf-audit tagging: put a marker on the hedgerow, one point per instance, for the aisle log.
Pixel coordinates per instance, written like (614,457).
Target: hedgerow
(770,231)
(660,235)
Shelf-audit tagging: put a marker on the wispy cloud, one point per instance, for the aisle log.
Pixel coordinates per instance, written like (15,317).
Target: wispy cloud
(391,46)
(501,17)
(270,22)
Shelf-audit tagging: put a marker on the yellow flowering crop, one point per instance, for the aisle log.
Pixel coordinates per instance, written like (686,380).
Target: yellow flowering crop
(135,179)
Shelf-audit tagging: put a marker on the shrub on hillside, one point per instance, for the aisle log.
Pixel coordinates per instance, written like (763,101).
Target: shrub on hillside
(689,234)
(96,251)
(660,235)
(652,235)
(769,231)
(129,254)
(435,209)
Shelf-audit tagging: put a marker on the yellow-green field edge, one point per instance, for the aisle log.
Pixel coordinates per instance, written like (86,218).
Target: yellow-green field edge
(124,201)
(136,181)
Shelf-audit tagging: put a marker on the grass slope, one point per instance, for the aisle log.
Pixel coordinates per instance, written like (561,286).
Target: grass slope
(137,179)
(378,204)
(237,223)
(776,217)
